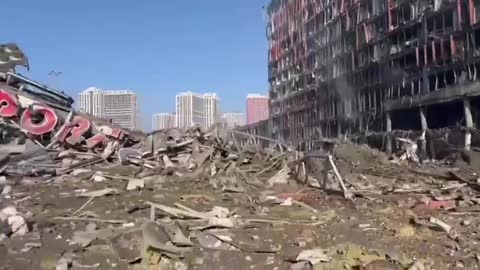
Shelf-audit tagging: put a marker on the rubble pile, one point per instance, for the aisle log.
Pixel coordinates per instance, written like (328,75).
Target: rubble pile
(81,193)
(183,199)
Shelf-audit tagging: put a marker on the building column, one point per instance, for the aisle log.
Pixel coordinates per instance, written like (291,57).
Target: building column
(339,129)
(360,123)
(329,130)
(423,120)
(361,129)
(468,123)
(320,130)
(389,135)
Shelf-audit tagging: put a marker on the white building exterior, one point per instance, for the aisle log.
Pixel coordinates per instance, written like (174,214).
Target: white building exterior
(189,110)
(211,106)
(120,106)
(92,101)
(163,121)
(232,120)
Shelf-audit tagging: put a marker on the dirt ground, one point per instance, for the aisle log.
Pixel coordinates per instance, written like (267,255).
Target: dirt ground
(388,225)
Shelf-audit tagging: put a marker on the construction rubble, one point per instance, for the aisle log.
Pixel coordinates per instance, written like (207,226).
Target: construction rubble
(78,192)
(216,199)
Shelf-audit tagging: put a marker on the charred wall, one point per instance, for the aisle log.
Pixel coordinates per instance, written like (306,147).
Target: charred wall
(339,67)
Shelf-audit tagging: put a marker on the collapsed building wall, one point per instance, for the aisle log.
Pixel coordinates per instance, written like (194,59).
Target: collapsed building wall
(342,67)
(253,133)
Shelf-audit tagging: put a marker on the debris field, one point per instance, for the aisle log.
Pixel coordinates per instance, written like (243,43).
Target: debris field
(216,199)
(78,192)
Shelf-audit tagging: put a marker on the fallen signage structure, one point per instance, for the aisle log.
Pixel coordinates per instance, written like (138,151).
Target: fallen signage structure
(32,112)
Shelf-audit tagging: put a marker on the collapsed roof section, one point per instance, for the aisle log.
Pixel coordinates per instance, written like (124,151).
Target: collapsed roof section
(10,57)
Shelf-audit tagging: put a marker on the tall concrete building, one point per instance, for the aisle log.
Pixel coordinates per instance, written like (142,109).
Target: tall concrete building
(257,108)
(121,106)
(92,101)
(232,120)
(211,106)
(189,110)
(163,121)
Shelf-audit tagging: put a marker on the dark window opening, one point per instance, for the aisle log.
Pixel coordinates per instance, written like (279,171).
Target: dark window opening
(445,115)
(406,120)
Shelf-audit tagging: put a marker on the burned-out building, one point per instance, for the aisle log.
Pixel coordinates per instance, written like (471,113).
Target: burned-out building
(346,67)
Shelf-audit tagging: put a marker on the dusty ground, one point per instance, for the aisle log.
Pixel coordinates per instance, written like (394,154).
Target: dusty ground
(376,231)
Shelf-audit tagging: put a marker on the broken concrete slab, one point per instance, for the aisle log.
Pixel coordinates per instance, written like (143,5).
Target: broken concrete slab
(135,184)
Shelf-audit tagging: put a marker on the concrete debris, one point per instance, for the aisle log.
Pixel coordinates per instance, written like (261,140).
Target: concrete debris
(313,256)
(444,226)
(98,177)
(248,208)
(219,198)
(3,180)
(6,190)
(155,237)
(211,241)
(176,235)
(221,222)
(207,196)
(83,238)
(421,265)
(410,148)
(65,262)
(281,177)
(301,266)
(134,184)
(98,193)
(78,172)
(12,222)
(175,212)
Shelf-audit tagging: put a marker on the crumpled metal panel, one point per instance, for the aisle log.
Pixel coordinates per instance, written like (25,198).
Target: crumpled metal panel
(11,56)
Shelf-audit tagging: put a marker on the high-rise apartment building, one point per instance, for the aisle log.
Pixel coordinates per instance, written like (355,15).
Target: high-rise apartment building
(211,106)
(189,110)
(257,108)
(232,120)
(122,108)
(92,101)
(119,106)
(163,121)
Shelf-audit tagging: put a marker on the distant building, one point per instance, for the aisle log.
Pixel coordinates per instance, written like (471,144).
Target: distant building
(163,121)
(119,106)
(232,120)
(92,101)
(122,108)
(257,108)
(189,110)
(211,106)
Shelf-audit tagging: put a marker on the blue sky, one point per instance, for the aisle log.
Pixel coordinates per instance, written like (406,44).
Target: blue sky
(155,47)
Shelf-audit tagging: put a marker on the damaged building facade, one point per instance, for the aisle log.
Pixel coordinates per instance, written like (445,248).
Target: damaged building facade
(352,67)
